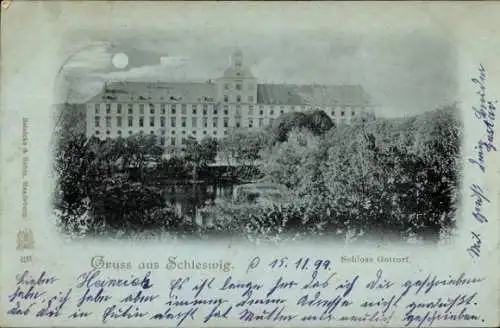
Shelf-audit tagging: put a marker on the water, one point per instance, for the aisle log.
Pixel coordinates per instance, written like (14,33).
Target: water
(187,199)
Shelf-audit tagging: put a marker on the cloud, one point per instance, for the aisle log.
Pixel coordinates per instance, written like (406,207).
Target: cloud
(173,61)
(90,58)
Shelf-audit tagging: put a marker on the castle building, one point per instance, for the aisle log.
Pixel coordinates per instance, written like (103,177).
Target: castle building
(236,100)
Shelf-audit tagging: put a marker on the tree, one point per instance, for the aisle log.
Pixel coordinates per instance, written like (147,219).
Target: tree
(319,122)
(286,122)
(316,121)
(208,150)
(243,147)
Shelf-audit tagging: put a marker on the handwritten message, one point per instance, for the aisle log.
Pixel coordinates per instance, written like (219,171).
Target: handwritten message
(485,113)
(268,292)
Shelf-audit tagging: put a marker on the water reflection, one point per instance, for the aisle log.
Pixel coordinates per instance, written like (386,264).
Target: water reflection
(188,198)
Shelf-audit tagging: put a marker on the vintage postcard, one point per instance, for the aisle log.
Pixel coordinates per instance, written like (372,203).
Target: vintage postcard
(249,164)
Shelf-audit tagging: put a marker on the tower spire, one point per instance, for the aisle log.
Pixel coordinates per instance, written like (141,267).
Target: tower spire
(237,58)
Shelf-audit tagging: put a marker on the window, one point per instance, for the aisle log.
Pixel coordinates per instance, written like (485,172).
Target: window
(141,121)
(119,132)
(129,132)
(151,110)
(261,122)
(130,121)
(238,98)
(172,122)
(172,141)
(226,109)
(250,98)
(271,121)
(119,121)
(250,110)
(130,108)
(293,108)
(205,122)
(108,108)
(250,123)
(261,112)
(152,132)
(342,113)
(204,132)
(226,98)
(215,111)
(238,86)
(215,122)
(162,121)
(226,122)
(184,109)
(108,121)
(226,86)
(282,111)
(271,112)
(333,112)
(183,122)
(162,109)
(162,141)
(119,108)
(193,107)
(238,124)
(173,132)
(205,107)
(174,106)
(108,132)
(352,113)
(151,121)
(193,122)
(141,108)
(96,106)
(97,121)
(97,132)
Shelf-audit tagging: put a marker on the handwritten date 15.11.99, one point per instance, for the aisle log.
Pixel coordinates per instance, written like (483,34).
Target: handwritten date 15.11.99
(301,264)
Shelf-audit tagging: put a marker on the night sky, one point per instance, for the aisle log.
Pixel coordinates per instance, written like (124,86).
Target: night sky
(405,73)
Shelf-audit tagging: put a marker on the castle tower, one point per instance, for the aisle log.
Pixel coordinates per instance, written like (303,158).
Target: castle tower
(237,85)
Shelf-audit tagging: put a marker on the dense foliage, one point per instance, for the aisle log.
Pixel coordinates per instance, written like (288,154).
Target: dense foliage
(392,179)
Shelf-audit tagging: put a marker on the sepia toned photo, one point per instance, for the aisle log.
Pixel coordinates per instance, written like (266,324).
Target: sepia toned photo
(263,137)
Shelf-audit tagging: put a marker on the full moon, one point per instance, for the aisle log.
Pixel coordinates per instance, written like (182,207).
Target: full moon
(120,60)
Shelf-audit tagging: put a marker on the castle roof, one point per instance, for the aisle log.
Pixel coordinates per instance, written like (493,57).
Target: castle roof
(270,94)
(330,95)
(237,73)
(185,92)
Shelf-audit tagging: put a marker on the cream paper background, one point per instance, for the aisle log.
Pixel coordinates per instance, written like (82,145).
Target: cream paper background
(33,49)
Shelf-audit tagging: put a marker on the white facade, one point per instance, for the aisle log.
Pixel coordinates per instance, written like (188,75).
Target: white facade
(174,111)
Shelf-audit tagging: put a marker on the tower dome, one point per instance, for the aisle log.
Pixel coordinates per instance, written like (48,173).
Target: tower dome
(237,69)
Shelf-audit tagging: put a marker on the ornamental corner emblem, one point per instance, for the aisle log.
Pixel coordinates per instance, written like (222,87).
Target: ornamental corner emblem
(25,239)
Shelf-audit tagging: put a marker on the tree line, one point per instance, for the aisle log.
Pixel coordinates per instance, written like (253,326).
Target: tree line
(391,178)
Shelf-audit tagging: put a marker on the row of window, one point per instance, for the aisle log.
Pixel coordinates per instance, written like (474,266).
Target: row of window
(194,109)
(238,85)
(130,120)
(173,122)
(152,107)
(238,98)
